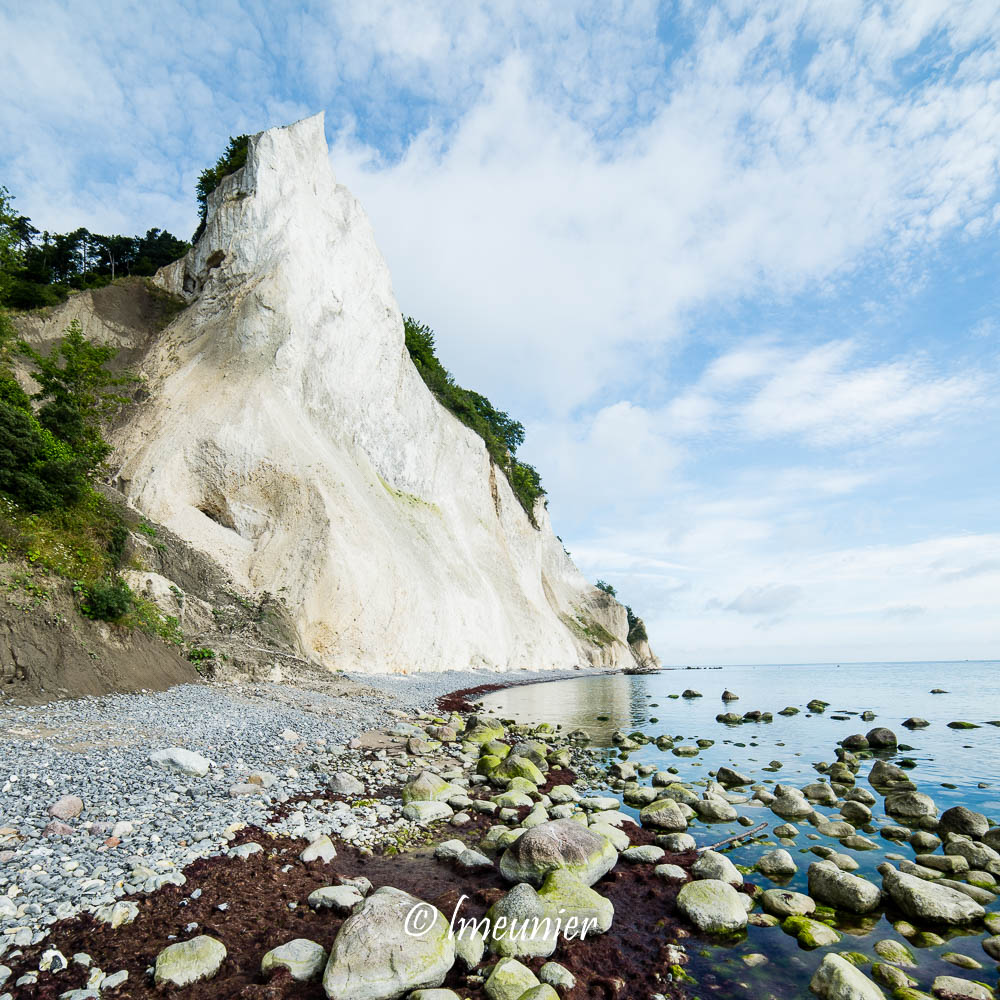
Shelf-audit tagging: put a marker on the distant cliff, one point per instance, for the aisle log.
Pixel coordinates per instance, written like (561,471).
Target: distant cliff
(284,433)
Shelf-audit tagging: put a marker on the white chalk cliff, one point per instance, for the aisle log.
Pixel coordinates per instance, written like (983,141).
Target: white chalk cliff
(287,434)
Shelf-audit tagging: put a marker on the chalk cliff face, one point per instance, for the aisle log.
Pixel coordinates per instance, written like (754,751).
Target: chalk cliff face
(287,434)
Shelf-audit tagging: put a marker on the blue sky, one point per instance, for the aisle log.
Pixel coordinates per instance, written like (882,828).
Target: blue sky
(734,265)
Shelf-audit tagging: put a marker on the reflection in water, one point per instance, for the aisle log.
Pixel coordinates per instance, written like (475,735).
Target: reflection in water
(575,705)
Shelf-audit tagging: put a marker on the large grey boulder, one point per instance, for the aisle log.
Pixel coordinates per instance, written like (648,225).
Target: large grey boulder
(790,803)
(188,962)
(391,945)
(907,805)
(731,779)
(920,900)
(561,843)
(837,979)
(663,814)
(714,907)
(713,865)
(829,885)
(958,819)
(777,864)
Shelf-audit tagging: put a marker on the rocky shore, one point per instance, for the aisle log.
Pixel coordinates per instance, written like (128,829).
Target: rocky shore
(265,841)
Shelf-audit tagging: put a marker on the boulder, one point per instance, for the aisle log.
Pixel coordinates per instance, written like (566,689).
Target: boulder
(321,849)
(881,738)
(730,778)
(833,887)
(391,945)
(776,864)
(958,819)
(893,951)
(926,901)
(714,810)
(558,844)
(424,812)
(509,980)
(188,962)
(68,807)
(304,959)
(342,783)
(580,910)
(663,814)
(785,903)
(340,898)
(185,761)
(838,979)
(810,933)
(907,805)
(914,722)
(712,865)
(953,988)
(516,766)
(427,787)
(714,907)
(521,925)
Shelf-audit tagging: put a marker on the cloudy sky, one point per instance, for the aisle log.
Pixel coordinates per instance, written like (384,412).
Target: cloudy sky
(736,266)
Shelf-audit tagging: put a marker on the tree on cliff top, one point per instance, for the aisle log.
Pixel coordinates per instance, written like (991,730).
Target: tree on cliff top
(231,160)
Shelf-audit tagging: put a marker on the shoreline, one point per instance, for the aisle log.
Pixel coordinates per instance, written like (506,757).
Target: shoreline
(430,803)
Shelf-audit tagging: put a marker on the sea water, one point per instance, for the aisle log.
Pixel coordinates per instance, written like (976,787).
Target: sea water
(953,766)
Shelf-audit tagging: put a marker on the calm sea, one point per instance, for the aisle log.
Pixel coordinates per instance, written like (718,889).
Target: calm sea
(951,766)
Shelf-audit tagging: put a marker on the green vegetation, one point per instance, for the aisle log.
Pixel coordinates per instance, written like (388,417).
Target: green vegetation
(501,434)
(51,449)
(231,160)
(606,587)
(41,269)
(636,628)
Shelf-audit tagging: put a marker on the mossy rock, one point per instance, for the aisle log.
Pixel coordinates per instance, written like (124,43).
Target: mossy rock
(810,933)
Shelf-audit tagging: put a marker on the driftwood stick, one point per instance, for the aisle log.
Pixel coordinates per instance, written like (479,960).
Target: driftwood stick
(732,840)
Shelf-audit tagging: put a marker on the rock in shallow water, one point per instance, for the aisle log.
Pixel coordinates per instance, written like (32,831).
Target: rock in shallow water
(922,900)
(837,979)
(829,885)
(714,907)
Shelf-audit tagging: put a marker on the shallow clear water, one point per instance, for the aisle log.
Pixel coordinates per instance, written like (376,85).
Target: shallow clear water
(893,691)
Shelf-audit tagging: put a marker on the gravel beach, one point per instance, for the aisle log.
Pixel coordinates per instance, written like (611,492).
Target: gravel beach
(140,823)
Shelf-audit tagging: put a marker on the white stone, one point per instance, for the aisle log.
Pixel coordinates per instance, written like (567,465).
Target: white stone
(184,761)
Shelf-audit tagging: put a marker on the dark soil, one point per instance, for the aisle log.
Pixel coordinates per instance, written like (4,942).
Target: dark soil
(267,907)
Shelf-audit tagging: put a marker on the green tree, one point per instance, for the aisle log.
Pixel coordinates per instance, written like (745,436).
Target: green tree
(606,587)
(76,392)
(231,160)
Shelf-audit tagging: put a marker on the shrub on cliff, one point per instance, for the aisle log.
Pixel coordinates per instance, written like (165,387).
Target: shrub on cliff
(231,160)
(501,433)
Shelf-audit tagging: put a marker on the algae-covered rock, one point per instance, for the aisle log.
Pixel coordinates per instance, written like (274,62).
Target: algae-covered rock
(561,843)
(509,979)
(427,787)
(378,953)
(810,933)
(580,910)
(188,962)
(663,814)
(714,907)
(837,979)
(830,885)
(304,959)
